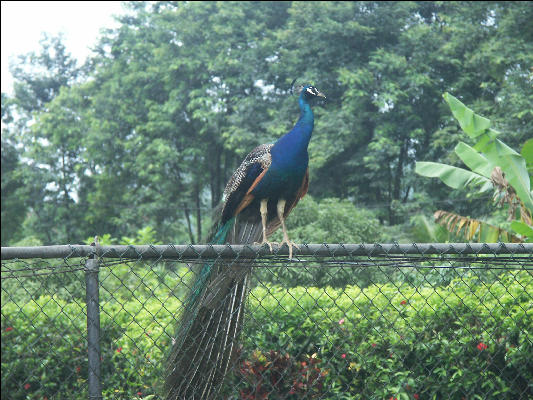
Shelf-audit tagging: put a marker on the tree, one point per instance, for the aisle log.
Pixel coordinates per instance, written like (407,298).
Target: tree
(45,179)
(13,209)
(176,95)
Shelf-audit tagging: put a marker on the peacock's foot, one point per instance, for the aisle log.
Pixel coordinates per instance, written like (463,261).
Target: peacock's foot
(287,242)
(266,242)
(290,245)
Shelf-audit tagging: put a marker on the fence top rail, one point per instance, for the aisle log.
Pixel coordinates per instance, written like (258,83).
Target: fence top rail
(254,251)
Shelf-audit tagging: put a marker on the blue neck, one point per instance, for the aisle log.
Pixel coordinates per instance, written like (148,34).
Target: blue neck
(298,138)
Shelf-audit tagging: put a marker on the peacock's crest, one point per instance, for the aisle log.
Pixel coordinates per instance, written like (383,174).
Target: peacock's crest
(310,90)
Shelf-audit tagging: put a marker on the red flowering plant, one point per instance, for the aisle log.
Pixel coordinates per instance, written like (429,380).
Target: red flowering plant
(274,374)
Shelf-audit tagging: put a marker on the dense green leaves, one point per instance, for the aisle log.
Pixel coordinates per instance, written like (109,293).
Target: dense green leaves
(13,206)
(527,152)
(333,221)
(148,132)
(435,341)
(432,348)
(523,229)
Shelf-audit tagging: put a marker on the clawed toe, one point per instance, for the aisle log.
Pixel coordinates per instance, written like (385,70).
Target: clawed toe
(266,242)
(287,242)
(290,245)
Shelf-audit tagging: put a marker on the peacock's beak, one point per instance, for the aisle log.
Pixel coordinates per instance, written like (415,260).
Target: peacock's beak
(320,94)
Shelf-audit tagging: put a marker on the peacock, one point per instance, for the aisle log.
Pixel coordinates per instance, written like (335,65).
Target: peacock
(257,199)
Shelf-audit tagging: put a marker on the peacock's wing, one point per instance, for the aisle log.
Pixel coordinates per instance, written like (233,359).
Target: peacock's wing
(237,195)
(246,226)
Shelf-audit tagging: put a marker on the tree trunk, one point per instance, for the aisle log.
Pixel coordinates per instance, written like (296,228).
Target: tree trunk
(66,196)
(215,179)
(198,211)
(188,219)
(399,171)
(389,195)
(218,175)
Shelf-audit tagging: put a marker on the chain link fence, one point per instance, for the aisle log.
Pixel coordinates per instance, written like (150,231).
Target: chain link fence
(421,321)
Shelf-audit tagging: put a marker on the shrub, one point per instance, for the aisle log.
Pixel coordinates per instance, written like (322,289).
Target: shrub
(468,339)
(464,340)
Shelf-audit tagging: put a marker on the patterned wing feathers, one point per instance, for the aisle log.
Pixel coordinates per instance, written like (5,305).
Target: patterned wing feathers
(237,192)
(261,155)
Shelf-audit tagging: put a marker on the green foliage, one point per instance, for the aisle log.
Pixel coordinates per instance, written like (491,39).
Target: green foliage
(436,336)
(326,221)
(44,349)
(331,221)
(424,230)
(452,176)
(527,153)
(523,229)
(148,132)
(49,137)
(494,165)
(399,341)
(44,336)
(489,151)
(145,235)
(28,241)
(13,209)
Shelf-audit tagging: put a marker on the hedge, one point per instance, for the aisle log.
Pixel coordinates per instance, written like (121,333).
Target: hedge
(469,339)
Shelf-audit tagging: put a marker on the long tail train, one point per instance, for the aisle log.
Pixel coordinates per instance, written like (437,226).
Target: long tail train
(204,347)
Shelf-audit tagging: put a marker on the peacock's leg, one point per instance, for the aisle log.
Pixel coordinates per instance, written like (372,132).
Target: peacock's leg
(263,209)
(281,212)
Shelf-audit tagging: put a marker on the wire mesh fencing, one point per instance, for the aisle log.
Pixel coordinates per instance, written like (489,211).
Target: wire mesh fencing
(421,321)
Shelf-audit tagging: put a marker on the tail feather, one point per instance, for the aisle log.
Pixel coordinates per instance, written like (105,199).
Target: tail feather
(204,347)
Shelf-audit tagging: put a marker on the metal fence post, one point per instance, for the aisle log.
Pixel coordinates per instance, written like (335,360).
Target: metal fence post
(93,326)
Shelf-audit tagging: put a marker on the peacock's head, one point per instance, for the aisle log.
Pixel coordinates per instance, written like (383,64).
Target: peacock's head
(308,92)
(311,92)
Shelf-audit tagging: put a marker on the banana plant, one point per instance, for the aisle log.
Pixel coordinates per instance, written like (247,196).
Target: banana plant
(492,166)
